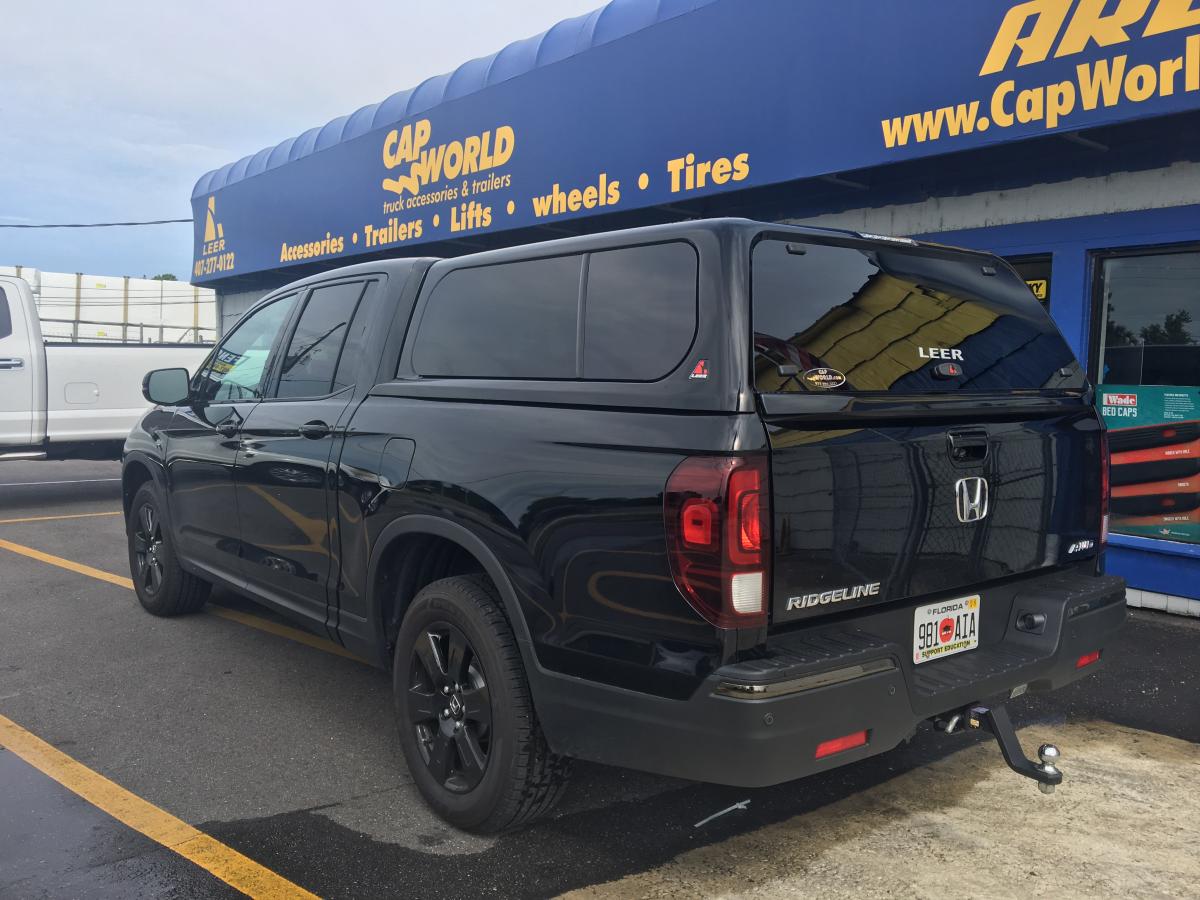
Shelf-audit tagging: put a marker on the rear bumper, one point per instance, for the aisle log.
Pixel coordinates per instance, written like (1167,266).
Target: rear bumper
(758,723)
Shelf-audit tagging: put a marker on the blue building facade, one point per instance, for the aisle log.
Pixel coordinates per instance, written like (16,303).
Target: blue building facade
(1061,134)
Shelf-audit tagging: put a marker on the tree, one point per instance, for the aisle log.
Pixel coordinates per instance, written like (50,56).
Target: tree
(1115,334)
(165,276)
(1174,329)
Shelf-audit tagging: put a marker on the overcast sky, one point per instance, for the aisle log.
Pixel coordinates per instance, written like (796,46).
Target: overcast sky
(111,111)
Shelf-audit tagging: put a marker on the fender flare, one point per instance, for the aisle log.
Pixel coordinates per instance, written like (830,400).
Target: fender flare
(158,478)
(418,523)
(151,465)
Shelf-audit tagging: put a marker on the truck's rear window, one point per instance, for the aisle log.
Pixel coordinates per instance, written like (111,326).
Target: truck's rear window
(865,317)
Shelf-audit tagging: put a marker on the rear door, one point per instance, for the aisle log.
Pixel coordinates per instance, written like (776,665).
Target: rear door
(929,427)
(284,469)
(17,367)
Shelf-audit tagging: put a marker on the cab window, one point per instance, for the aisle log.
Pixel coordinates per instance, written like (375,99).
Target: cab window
(237,369)
(308,366)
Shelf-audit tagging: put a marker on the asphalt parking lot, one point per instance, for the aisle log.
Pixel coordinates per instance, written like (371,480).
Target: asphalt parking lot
(233,749)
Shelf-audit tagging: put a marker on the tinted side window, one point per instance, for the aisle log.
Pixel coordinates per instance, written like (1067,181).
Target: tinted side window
(362,328)
(237,368)
(513,320)
(316,344)
(640,311)
(5,316)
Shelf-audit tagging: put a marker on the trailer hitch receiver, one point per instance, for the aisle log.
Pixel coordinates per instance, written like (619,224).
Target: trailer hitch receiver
(996,721)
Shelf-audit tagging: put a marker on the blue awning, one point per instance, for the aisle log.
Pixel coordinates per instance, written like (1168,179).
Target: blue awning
(646,103)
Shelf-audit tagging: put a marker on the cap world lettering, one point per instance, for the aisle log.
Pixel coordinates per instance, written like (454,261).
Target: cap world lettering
(453,159)
(1033,27)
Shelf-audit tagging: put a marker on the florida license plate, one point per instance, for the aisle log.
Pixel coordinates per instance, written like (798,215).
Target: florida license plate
(945,628)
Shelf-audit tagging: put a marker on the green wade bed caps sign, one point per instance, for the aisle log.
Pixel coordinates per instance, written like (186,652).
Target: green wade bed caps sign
(649,102)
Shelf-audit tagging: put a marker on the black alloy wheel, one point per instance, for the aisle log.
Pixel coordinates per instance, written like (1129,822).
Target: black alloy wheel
(468,727)
(160,582)
(147,547)
(450,707)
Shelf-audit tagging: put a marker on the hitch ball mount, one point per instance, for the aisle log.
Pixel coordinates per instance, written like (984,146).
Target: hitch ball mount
(995,721)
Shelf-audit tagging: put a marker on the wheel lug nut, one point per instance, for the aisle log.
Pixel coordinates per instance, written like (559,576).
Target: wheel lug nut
(457,726)
(445,713)
(445,689)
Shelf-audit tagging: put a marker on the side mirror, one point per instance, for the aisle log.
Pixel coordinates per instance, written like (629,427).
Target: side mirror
(166,387)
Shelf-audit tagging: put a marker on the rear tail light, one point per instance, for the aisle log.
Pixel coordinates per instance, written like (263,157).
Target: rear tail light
(1087,659)
(838,745)
(1105,465)
(716,510)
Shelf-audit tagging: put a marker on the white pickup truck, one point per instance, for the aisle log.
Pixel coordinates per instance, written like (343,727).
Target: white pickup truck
(70,399)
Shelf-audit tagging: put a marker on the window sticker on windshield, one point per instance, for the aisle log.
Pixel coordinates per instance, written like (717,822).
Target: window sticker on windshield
(823,379)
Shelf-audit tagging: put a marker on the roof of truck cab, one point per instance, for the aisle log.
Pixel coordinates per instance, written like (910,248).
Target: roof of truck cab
(605,240)
(648,234)
(392,266)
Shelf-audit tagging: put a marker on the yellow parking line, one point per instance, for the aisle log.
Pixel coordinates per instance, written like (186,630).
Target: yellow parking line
(56,518)
(236,870)
(234,615)
(67,564)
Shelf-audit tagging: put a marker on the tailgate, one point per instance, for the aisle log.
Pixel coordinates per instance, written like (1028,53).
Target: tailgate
(930,429)
(888,511)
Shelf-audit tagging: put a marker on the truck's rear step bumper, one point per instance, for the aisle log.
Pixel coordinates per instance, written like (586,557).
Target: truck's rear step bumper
(826,682)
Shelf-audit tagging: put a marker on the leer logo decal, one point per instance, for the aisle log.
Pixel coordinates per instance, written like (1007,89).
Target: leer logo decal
(213,255)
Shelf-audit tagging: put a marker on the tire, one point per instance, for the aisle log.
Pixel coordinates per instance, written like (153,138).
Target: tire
(486,766)
(161,585)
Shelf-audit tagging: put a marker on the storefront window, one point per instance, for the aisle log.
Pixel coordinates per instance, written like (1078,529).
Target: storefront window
(1149,374)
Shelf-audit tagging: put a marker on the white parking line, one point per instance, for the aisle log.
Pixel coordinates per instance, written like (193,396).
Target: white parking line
(36,483)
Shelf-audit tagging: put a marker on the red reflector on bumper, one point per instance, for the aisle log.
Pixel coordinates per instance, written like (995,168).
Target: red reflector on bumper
(837,745)
(1087,659)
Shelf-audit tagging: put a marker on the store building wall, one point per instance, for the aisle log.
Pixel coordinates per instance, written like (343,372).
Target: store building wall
(232,304)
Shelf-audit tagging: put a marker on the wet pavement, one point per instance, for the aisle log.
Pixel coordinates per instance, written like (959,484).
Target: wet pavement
(286,753)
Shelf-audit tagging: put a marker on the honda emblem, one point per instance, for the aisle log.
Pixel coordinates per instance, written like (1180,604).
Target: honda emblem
(971,499)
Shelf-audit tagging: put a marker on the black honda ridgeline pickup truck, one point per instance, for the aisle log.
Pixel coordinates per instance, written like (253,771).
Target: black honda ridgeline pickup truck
(723,500)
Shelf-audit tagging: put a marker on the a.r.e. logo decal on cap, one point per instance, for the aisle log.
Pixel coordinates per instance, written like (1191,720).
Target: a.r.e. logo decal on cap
(701,370)
(823,379)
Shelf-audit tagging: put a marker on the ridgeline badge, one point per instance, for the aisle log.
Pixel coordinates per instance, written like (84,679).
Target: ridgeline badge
(822,379)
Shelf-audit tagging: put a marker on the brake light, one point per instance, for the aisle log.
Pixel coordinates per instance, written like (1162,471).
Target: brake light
(1087,659)
(716,511)
(1105,465)
(745,529)
(838,745)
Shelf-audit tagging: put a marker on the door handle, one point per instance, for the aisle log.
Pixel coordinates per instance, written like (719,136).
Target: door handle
(12,363)
(967,445)
(229,427)
(314,430)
